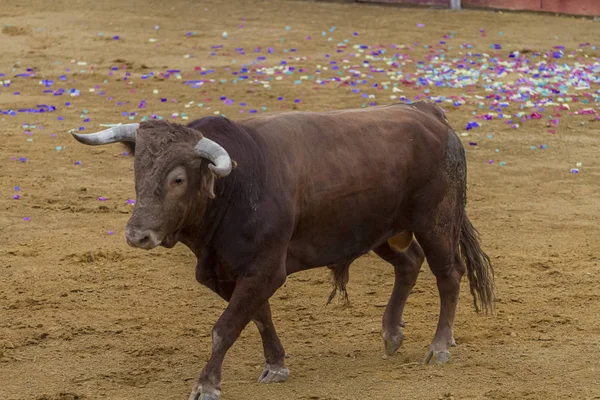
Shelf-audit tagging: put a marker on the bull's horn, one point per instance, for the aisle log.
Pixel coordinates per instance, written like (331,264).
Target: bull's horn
(119,133)
(212,151)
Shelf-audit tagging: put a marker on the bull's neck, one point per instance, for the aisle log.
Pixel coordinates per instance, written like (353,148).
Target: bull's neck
(205,218)
(234,193)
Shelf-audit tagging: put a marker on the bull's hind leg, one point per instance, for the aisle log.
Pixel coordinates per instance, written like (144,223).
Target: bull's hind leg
(445,263)
(275,369)
(407,257)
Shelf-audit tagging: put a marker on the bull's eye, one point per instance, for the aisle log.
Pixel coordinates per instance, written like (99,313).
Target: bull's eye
(176,178)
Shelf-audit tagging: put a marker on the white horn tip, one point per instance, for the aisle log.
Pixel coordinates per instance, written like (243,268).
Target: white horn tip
(224,166)
(80,138)
(76,135)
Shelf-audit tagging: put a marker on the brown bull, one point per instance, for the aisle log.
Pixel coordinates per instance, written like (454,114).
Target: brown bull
(309,190)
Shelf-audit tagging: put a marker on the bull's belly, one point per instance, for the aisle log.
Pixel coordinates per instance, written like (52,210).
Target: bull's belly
(309,251)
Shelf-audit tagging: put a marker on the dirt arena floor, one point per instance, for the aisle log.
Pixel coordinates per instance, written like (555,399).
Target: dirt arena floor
(83,316)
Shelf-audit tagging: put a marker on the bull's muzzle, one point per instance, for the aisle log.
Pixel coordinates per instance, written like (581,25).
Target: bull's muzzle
(142,238)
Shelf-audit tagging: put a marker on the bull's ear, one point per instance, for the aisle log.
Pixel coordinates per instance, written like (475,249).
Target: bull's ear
(207,186)
(209,178)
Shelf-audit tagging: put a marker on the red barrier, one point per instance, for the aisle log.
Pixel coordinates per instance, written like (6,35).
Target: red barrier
(575,7)
(530,5)
(438,3)
(578,7)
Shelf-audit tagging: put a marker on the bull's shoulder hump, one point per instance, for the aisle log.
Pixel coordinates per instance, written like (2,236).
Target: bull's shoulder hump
(210,121)
(212,124)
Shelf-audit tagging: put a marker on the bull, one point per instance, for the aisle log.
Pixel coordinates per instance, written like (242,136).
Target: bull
(264,197)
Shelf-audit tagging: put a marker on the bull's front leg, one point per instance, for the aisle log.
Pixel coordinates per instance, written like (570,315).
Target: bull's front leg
(275,369)
(247,302)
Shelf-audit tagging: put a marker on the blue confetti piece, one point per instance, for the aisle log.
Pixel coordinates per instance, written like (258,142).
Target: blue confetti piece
(471,125)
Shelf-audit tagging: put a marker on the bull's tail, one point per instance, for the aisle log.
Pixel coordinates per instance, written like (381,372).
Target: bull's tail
(479,267)
(340,274)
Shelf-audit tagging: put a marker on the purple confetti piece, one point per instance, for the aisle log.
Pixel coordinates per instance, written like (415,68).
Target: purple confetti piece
(26,219)
(471,125)
(102,198)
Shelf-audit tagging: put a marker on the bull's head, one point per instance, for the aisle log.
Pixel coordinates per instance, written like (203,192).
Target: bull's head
(172,183)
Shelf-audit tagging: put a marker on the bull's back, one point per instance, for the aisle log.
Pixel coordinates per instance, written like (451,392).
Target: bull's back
(352,145)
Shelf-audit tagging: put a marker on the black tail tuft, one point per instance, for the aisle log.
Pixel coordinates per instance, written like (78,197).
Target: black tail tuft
(340,274)
(479,267)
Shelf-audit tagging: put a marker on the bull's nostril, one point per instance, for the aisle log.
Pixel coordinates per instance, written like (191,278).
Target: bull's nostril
(142,239)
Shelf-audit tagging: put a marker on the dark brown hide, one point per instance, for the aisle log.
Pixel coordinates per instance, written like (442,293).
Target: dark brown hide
(310,190)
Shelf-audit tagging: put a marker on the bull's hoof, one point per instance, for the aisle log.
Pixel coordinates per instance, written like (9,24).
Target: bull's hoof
(392,344)
(437,357)
(204,396)
(274,374)
(198,395)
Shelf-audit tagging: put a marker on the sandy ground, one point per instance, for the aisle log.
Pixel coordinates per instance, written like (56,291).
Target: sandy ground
(83,316)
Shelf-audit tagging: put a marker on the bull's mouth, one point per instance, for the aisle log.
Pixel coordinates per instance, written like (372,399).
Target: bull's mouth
(170,240)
